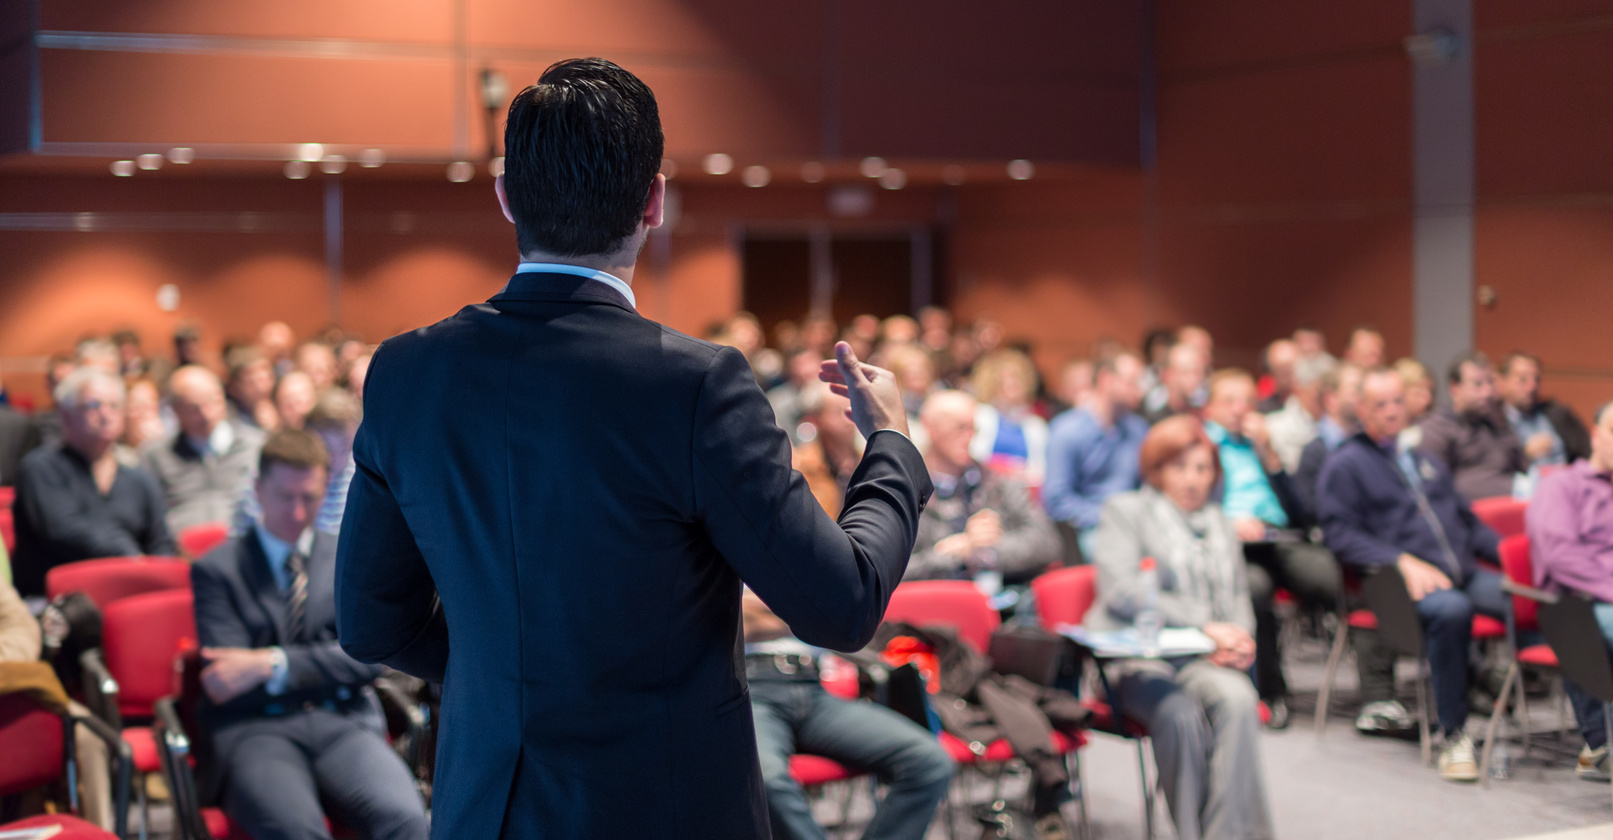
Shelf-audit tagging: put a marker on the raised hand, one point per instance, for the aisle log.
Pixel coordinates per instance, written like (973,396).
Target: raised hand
(876,402)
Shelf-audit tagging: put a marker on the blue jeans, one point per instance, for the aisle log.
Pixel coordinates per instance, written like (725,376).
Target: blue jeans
(1447,617)
(799,716)
(1587,709)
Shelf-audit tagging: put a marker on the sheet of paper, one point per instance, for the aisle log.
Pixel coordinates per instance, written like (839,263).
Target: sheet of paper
(1115,644)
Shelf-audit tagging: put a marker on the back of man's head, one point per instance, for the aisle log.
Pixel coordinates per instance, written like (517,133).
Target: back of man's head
(581,150)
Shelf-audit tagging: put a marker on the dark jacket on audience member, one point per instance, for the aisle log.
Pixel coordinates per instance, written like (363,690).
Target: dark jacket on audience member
(586,490)
(1480,451)
(238,605)
(61,515)
(1370,515)
(18,436)
(1575,437)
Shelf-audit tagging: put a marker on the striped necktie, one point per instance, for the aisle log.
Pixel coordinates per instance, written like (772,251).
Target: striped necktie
(296,596)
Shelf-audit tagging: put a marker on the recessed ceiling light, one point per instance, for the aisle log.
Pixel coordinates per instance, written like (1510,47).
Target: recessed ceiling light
(495,167)
(1021,170)
(181,155)
(893,179)
(812,172)
(333,164)
(371,158)
(310,152)
(122,168)
(756,176)
(669,168)
(872,167)
(297,170)
(461,171)
(149,162)
(718,163)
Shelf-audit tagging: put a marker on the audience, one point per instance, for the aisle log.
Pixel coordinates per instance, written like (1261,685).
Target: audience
(1472,437)
(250,388)
(800,373)
(1385,506)
(1312,346)
(1570,525)
(1092,448)
(293,398)
(977,521)
(74,500)
(357,372)
(1258,497)
(275,341)
(1340,388)
(1550,432)
(19,435)
(335,419)
(1180,385)
(143,422)
(1009,438)
(793,714)
(319,362)
(830,447)
(1364,349)
(1293,426)
(202,468)
(1280,358)
(292,719)
(1419,395)
(1201,713)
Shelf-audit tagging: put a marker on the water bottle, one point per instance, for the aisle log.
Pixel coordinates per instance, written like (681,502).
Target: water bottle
(989,580)
(1149,621)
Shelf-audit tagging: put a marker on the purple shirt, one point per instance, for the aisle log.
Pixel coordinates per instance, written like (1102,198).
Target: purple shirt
(1570,522)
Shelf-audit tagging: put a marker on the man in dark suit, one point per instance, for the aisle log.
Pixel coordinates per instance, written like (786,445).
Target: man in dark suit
(573,495)
(292,719)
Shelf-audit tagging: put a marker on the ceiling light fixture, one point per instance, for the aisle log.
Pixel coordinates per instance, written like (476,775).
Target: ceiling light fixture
(718,163)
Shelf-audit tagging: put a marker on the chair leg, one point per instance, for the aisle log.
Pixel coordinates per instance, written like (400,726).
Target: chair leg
(1148,790)
(1492,729)
(1334,658)
(1081,788)
(1422,712)
(145,809)
(1523,713)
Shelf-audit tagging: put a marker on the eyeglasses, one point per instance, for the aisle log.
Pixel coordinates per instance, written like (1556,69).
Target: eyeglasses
(97,405)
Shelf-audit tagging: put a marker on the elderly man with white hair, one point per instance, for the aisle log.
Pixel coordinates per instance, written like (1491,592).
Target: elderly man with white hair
(977,521)
(203,466)
(74,500)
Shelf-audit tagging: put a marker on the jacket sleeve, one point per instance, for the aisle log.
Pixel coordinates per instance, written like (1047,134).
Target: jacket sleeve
(219,624)
(1282,485)
(1576,439)
(1060,490)
(387,610)
(1439,440)
(1029,542)
(829,581)
(1562,556)
(1117,551)
(1344,523)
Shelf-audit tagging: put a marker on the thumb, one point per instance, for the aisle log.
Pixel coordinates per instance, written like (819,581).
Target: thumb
(850,368)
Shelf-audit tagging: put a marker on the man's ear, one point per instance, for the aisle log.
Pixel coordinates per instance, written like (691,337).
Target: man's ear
(503,198)
(654,209)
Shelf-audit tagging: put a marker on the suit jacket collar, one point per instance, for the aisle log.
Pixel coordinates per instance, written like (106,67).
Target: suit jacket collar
(560,288)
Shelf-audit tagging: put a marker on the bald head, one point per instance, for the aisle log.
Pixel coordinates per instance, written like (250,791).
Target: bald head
(197,398)
(948,418)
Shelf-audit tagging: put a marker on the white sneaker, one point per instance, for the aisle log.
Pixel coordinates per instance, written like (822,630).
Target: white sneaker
(1457,763)
(1593,765)
(1384,717)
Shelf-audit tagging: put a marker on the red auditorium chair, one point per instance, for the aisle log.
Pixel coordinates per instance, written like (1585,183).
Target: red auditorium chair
(111,579)
(34,741)
(135,667)
(1503,514)
(1485,629)
(959,605)
(1523,616)
(197,540)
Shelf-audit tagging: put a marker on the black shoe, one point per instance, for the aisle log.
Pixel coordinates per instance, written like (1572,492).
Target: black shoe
(1279,714)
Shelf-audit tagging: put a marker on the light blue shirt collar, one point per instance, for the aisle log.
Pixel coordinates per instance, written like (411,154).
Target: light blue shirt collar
(607,278)
(277,550)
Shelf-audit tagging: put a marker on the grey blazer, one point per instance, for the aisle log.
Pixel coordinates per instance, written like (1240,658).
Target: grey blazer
(1128,532)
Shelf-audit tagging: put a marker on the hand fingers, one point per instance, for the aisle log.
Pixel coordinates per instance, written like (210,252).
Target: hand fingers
(850,368)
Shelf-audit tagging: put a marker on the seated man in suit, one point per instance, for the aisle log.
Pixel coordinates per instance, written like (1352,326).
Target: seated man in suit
(74,500)
(1382,505)
(292,718)
(794,714)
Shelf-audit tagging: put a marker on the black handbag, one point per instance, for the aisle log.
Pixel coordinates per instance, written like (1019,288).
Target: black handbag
(1032,653)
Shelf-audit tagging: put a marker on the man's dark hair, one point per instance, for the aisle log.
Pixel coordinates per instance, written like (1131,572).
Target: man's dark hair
(1108,365)
(1514,357)
(295,448)
(581,149)
(1453,374)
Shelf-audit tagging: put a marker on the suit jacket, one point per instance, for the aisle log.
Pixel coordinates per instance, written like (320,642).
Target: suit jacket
(238,604)
(18,436)
(555,504)
(198,488)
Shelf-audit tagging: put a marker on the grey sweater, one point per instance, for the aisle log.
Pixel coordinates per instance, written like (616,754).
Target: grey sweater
(1132,528)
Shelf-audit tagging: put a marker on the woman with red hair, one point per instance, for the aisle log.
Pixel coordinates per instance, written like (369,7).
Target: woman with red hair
(1202,712)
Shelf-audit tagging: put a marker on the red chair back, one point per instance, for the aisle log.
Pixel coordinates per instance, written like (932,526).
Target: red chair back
(112,578)
(31,740)
(197,540)
(7,496)
(947,603)
(1064,596)
(1504,515)
(8,529)
(140,636)
(1519,567)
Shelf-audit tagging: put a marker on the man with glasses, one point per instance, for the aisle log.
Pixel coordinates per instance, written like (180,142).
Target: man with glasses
(74,500)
